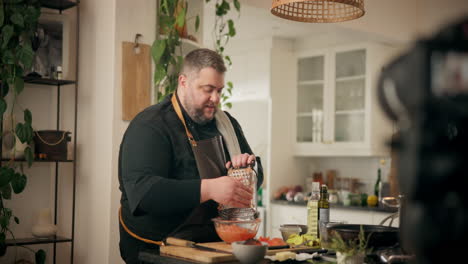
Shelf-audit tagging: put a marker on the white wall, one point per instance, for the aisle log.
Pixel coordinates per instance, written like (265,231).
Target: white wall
(102,110)
(95,134)
(132,17)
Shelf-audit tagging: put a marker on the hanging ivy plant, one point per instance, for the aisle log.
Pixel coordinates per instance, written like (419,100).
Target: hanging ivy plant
(166,51)
(223,31)
(18,22)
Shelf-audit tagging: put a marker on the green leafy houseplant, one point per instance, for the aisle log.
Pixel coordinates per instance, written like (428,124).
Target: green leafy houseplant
(223,31)
(351,251)
(166,51)
(18,22)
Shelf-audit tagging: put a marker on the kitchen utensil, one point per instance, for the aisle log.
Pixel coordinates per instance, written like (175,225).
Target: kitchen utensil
(248,177)
(236,230)
(136,79)
(249,254)
(380,236)
(238,214)
(186,243)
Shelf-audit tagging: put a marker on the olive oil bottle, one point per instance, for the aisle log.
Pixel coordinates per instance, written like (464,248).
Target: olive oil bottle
(313,210)
(324,205)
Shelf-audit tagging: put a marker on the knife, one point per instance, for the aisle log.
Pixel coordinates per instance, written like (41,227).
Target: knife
(186,243)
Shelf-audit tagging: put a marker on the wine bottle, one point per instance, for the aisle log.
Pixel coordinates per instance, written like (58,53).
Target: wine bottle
(377,183)
(324,205)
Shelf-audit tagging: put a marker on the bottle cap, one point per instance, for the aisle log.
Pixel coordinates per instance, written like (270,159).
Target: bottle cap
(316,186)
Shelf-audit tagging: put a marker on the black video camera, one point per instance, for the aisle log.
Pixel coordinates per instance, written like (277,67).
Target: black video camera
(425,91)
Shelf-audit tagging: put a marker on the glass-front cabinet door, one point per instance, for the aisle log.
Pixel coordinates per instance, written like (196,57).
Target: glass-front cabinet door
(349,95)
(310,99)
(337,112)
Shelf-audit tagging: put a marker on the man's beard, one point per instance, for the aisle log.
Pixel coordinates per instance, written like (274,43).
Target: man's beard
(197,115)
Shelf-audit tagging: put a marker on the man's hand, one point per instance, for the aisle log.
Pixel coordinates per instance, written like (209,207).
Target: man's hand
(241,160)
(227,191)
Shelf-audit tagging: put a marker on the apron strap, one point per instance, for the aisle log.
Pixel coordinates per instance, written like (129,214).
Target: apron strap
(178,111)
(159,243)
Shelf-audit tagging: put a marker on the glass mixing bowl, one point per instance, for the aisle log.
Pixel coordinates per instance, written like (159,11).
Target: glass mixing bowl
(236,230)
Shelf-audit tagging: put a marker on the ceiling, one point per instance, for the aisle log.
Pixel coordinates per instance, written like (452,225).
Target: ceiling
(256,15)
(378,24)
(257,3)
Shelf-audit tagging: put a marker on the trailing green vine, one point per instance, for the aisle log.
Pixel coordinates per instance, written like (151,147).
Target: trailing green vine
(18,22)
(167,51)
(223,31)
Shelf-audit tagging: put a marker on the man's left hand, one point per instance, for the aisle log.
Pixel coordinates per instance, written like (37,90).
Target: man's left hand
(241,160)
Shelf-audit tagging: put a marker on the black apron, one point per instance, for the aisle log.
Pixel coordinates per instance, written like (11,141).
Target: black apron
(210,159)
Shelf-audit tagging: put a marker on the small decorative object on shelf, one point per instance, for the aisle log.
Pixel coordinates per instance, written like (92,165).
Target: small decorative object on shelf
(51,143)
(44,227)
(58,73)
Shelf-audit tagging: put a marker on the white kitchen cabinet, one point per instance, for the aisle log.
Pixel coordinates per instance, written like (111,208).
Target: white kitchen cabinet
(337,113)
(286,214)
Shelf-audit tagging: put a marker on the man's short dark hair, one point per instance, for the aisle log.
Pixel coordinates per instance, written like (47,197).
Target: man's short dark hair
(202,58)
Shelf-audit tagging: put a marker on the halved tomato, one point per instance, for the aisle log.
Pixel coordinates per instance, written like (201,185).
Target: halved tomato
(276,242)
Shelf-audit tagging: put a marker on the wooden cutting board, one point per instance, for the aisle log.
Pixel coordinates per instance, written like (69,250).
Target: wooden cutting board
(227,247)
(216,257)
(136,79)
(197,255)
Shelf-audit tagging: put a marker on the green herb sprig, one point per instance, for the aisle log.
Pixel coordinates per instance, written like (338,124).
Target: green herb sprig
(351,247)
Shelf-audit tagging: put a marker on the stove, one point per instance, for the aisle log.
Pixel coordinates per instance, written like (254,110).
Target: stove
(393,256)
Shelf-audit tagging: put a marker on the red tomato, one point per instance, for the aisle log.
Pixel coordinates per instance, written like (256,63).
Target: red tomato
(276,242)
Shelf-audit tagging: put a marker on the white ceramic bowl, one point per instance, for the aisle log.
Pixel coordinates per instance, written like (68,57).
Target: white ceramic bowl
(288,230)
(249,254)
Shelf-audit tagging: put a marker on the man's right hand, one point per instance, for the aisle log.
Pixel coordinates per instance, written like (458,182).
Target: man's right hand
(226,191)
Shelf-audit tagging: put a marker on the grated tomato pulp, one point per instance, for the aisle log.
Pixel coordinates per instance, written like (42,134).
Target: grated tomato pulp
(232,233)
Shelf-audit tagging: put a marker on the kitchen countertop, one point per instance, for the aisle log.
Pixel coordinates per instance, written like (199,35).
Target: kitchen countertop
(339,206)
(153,257)
(149,257)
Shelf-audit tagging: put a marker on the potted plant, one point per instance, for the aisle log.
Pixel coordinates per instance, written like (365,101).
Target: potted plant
(350,251)
(167,51)
(18,22)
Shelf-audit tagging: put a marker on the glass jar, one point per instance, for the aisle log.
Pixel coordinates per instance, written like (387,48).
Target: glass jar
(333,197)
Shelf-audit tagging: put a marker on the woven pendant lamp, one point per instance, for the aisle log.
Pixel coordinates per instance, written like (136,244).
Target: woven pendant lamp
(318,11)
